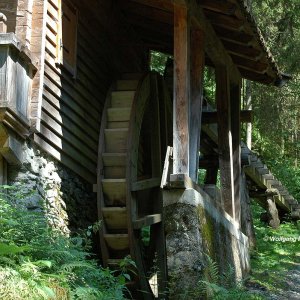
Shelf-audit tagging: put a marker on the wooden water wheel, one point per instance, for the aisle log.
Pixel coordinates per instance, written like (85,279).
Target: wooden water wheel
(134,132)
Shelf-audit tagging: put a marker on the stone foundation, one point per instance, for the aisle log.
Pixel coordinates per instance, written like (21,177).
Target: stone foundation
(194,228)
(69,201)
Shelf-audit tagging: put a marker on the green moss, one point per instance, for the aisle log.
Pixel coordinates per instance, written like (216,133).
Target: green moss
(207,231)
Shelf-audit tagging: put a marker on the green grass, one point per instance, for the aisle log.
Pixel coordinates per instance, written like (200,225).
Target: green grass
(278,251)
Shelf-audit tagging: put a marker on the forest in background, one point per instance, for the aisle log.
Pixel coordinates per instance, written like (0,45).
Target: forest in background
(277,110)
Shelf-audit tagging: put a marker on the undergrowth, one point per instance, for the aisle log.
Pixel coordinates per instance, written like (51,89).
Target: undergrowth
(223,286)
(38,262)
(278,251)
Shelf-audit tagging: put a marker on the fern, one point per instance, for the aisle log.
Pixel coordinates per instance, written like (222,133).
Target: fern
(38,262)
(69,267)
(222,287)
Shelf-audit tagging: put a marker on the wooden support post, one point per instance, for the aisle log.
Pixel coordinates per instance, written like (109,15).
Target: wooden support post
(235,108)
(181,91)
(211,176)
(3,23)
(225,139)
(196,91)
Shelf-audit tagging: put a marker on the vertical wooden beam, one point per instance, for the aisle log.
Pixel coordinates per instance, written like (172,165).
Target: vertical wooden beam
(196,91)
(224,138)
(3,23)
(235,108)
(181,91)
(211,176)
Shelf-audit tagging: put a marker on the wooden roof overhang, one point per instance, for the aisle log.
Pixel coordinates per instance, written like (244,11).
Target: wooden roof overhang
(231,21)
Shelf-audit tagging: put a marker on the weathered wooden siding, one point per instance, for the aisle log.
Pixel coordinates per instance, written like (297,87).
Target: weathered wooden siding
(71,108)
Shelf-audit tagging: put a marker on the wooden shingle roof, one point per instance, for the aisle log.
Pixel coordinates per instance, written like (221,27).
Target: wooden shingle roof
(232,22)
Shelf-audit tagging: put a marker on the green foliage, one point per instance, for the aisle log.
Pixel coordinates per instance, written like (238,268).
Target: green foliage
(158,61)
(209,85)
(218,286)
(145,234)
(277,251)
(38,262)
(277,110)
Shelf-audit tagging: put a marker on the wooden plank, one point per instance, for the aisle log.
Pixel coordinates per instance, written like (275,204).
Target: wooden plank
(77,89)
(38,46)
(114,191)
(116,140)
(224,139)
(166,169)
(256,66)
(52,12)
(126,85)
(223,7)
(196,91)
(145,184)
(85,83)
(114,159)
(66,134)
(115,172)
(52,26)
(242,50)
(213,46)
(235,107)
(64,113)
(262,78)
(62,101)
(115,217)
(211,176)
(118,114)
(117,241)
(210,117)
(160,4)
(122,99)
(67,160)
(181,91)
(233,35)
(155,139)
(80,93)
(59,128)
(148,12)
(147,221)
(100,191)
(223,20)
(115,125)
(182,181)
(64,146)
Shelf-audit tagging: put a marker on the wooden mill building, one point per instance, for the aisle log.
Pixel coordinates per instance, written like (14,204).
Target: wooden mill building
(75,84)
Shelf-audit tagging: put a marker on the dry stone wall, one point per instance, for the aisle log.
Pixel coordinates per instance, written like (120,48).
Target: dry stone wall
(68,200)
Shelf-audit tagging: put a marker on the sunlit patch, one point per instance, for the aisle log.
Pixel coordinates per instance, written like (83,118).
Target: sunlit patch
(154,284)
